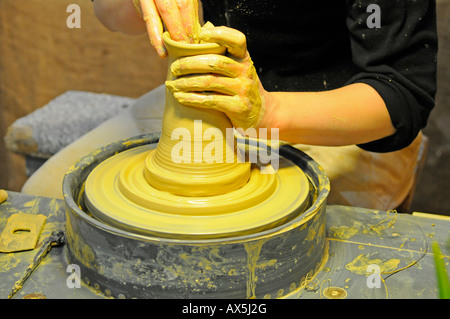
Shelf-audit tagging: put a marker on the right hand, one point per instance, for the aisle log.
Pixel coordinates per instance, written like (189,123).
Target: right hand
(179,16)
(228,83)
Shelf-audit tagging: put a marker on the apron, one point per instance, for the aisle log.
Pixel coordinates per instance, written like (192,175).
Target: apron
(366,179)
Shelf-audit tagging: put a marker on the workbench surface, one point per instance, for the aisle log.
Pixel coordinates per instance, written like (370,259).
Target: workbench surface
(362,245)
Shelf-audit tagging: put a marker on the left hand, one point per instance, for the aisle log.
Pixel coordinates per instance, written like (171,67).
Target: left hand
(228,83)
(179,16)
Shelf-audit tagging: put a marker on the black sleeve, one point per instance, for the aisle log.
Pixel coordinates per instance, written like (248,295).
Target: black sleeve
(398,59)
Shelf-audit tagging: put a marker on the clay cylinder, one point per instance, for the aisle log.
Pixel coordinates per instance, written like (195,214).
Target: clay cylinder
(194,156)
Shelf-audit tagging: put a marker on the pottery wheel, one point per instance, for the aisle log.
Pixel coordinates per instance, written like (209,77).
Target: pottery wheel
(142,224)
(117,192)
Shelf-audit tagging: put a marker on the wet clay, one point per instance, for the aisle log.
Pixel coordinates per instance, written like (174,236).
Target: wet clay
(119,194)
(145,190)
(195,177)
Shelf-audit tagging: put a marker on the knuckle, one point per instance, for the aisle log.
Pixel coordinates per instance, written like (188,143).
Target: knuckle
(241,40)
(164,6)
(214,61)
(207,80)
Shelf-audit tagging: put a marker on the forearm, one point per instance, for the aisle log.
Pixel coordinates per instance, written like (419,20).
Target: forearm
(119,15)
(353,114)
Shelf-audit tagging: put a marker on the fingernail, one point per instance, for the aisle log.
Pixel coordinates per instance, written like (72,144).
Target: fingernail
(174,67)
(171,85)
(161,50)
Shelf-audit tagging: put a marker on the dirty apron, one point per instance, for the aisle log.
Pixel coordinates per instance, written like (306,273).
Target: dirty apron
(367,179)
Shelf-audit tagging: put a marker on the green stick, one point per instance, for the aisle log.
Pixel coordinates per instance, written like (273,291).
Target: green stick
(441,272)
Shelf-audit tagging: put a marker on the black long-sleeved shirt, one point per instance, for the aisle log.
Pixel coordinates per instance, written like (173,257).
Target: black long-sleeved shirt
(312,45)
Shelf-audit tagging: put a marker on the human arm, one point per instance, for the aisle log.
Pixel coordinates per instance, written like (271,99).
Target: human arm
(352,114)
(349,115)
(398,60)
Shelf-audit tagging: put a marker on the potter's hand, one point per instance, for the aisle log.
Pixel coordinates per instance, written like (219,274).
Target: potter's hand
(224,83)
(179,16)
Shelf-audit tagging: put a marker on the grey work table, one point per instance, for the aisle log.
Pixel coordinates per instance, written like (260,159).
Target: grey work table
(395,246)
